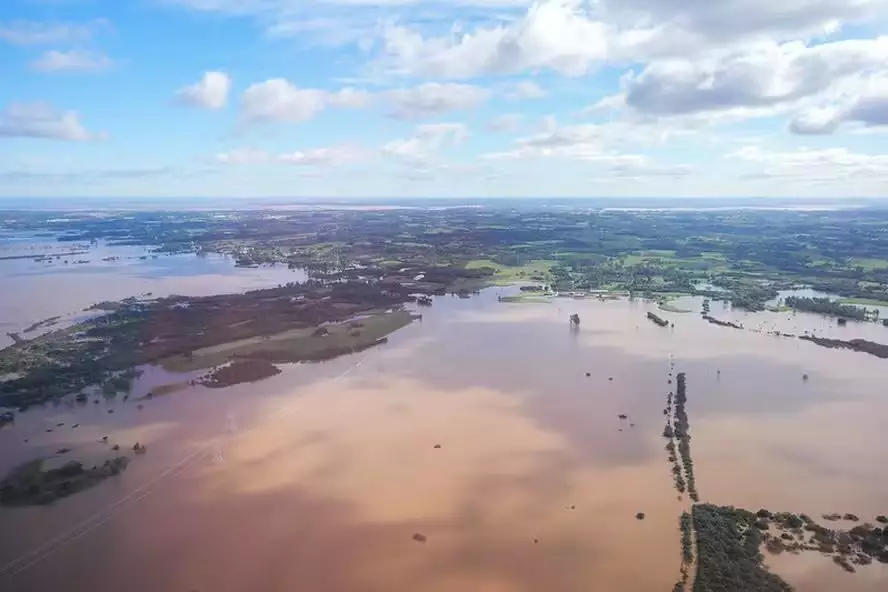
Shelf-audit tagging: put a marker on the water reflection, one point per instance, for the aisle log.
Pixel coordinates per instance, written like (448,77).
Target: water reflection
(318,478)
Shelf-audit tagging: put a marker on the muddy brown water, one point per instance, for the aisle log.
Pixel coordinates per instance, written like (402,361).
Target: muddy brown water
(318,478)
(32,291)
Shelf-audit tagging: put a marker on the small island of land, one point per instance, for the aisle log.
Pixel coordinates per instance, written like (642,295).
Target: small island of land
(239,372)
(184,334)
(860,345)
(728,552)
(34,484)
(657,320)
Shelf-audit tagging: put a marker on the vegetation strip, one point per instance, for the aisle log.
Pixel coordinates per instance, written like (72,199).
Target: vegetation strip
(860,345)
(715,321)
(687,552)
(657,320)
(677,430)
(830,307)
(32,484)
(681,429)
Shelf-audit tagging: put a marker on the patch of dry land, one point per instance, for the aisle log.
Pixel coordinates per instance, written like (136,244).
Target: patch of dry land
(291,323)
(304,344)
(44,481)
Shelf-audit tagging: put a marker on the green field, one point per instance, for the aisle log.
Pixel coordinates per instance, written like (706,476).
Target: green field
(671,308)
(505,274)
(863,301)
(868,264)
(526,298)
(295,344)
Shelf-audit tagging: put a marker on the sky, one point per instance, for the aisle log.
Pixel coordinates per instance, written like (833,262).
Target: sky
(443,98)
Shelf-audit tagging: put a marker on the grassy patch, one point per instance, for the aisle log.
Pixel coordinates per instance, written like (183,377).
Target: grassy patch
(867,263)
(863,301)
(526,298)
(504,274)
(670,295)
(672,308)
(297,344)
(167,389)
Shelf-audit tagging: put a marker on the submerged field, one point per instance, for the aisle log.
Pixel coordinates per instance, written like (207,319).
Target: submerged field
(471,451)
(687,392)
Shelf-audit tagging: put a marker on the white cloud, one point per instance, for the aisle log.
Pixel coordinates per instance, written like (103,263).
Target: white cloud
(427,141)
(765,76)
(593,144)
(863,104)
(558,35)
(821,165)
(573,37)
(718,22)
(696,64)
(816,120)
(342,28)
(453,173)
(74,60)
(527,89)
(611,162)
(506,123)
(210,92)
(40,120)
(565,140)
(237,7)
(86,176)
(350,97)
(569,36)
(320,157)
(435,98)
(870,110)
(646,169)
(556,136)
(243,156)
(279,100)
(44,33)
(333,23)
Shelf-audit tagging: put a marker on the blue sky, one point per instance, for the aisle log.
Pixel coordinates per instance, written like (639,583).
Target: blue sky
(348,98)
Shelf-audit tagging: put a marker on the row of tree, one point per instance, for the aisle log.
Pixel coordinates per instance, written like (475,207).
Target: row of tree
(827,307)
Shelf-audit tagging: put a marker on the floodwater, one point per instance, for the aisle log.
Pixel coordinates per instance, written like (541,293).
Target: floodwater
(319,478)
(36,290)
(793,322)
(810,293)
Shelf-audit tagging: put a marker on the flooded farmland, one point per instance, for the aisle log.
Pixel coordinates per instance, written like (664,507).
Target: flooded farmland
(470,452)
(42,280)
